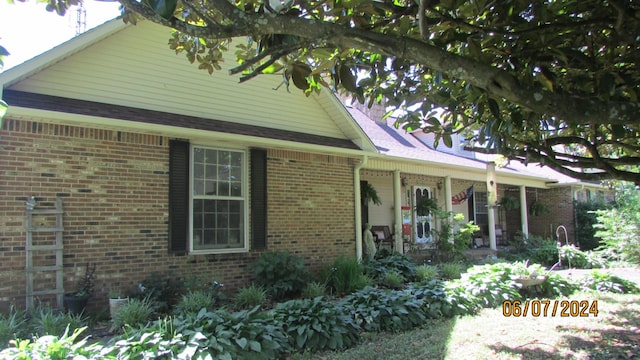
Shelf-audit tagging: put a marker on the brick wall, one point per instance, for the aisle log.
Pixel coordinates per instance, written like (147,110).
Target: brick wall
(559,201)
(114,188)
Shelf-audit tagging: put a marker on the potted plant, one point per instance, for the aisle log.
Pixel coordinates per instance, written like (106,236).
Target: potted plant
(370,194)
(536,208)
(117,298)
(509,203)
(76,302)
(527,275)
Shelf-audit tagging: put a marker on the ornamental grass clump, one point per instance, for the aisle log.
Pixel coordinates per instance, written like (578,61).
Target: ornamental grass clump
(426,273)
(250,297)
(195,300)
(314,289)
(135,313)
(346,276)
(451,270)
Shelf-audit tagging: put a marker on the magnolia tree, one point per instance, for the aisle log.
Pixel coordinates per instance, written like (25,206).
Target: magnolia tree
(549,82)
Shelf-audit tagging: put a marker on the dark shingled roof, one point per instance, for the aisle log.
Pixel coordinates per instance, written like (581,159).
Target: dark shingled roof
(92,108)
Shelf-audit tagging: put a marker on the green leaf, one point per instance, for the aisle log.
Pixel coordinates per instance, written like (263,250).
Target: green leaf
(618,131)
(299,74)
(255,346)
(347,78)
(242,342)
(164,8)
(447,140)
(495,108)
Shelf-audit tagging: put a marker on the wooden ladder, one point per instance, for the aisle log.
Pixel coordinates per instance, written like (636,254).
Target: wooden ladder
(45,250)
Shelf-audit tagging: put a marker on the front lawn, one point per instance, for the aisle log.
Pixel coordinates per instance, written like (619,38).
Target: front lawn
(613,334)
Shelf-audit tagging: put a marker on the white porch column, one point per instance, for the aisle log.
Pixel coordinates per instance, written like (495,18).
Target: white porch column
(447,194)
(524,219)
(492,198)
(397,212)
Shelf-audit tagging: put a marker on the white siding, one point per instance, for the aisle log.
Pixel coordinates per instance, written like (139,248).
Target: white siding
(381,214)
(136,68)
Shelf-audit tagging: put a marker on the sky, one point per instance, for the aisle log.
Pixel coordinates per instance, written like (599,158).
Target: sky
(27,29)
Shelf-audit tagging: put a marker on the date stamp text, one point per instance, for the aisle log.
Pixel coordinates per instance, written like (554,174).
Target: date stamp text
(546,308)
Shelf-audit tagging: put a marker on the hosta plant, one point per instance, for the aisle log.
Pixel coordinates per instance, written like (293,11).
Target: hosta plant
(314,324)
(376,309)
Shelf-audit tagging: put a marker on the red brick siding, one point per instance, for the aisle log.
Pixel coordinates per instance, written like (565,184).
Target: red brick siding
(559,201)
(114,186)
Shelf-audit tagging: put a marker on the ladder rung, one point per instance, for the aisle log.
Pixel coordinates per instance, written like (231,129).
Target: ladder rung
(46,211)
(46,292)
(43,229)
(44,247)
(44,268)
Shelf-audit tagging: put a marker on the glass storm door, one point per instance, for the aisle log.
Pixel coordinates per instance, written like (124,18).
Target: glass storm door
(421,216)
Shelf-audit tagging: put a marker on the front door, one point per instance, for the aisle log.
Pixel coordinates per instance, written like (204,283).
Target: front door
(422,217)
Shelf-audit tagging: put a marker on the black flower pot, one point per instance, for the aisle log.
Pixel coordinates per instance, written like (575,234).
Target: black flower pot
(75,304)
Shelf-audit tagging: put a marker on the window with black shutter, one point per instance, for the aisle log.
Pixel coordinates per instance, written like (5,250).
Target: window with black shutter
(209,197)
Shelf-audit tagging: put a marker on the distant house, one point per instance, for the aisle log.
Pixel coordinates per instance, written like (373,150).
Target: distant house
(162,168)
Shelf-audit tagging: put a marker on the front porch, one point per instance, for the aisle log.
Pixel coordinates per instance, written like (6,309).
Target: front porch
(401,208)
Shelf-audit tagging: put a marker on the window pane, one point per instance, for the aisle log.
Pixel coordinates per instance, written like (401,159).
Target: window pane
(218,223)
(223,188)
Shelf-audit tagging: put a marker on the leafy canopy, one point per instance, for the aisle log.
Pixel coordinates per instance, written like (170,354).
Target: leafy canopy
(542,81)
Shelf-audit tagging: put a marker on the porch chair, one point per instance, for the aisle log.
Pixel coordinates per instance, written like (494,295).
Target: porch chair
(500,236)
(383,236)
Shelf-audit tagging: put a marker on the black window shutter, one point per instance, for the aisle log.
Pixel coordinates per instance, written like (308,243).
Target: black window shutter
(258,199)
(178,196)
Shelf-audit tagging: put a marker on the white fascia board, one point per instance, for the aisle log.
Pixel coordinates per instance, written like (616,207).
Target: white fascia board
(462,172)
(362,140)
(578,184)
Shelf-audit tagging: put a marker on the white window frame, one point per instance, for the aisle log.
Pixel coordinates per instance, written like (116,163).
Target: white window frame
(244,198)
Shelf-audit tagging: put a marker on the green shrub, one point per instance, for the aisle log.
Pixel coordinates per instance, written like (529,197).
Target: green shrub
(586,217)
(313,324)
(135,313)
(619,227)
(281,274)
(376,309)
(157,340)
(314,289)
(385,262)
(53,347)
(451,245)
(441,301)
(12,326)
(575,258)
(247,334)
(250,297)
(195,300)
(491,283)
(46,321)
(451,270)
(538,250)
(426,273)
(604,281)
(393,280)
(555,285)
(346,275)
(163,290)
(204,283)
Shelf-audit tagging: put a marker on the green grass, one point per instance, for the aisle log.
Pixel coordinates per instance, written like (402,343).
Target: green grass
(613,334)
